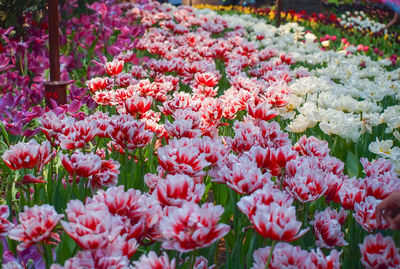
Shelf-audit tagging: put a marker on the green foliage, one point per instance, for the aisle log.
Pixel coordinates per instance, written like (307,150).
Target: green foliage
(12,12)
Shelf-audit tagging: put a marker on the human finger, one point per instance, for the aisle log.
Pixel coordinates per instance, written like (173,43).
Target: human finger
(379,211)
(396,223)
(383,207)
(388,216)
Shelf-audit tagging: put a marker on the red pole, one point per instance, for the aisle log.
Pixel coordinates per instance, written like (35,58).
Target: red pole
(278,12)
(54,89)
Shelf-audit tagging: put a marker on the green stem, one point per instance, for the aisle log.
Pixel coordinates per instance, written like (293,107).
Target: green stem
(271,251)
(47,255)
(193,257)
(126,156)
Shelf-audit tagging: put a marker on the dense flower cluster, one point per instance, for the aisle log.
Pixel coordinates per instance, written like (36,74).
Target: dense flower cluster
(198,148)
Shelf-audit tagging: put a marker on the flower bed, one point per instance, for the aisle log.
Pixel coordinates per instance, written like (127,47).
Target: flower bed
(233,143)
(376,44)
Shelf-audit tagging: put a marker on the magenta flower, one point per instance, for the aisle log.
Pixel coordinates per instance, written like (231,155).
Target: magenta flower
(36,225)
(192,227)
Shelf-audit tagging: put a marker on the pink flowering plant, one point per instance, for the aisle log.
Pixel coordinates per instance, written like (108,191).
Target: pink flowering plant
(184,149)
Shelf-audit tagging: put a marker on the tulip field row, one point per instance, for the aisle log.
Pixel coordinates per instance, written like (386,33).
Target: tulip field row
(196,139)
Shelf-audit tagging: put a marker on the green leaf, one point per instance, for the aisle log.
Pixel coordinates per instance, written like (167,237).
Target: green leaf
(352,164)
(5,134)
(65,249)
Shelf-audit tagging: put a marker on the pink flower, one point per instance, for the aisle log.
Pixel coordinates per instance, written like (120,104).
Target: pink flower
(5,224)
(213,149)
(36,225)
(27,155)
(91,226)
(261,257)
(32,179)
(139,213)
(152,261)
(271,135)
(176,189)
(334,183)
(277,222)
(186,124)
(182,157)
(312,147)
(114,68)
(102,121)
(283,256)
(261,111)
(351,192)
(264,197)
(278,159)
(327,228)
(304,180)
(128,132)
(246,136)
(102,258)
(288,256)
(82,165)
(107,176)
(241,174)
(211,112)
(182,128)
(81,132)
(191,227)
(207,79)
(365,214)
(381,179)
(53,126)
(202,263)
(380,166)
(12,265)
(320,261)
(96,84)
(137,105)
(379,252)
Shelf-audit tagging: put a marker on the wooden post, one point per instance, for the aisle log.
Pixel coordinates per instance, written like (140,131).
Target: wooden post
(54,89)
(278,12)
